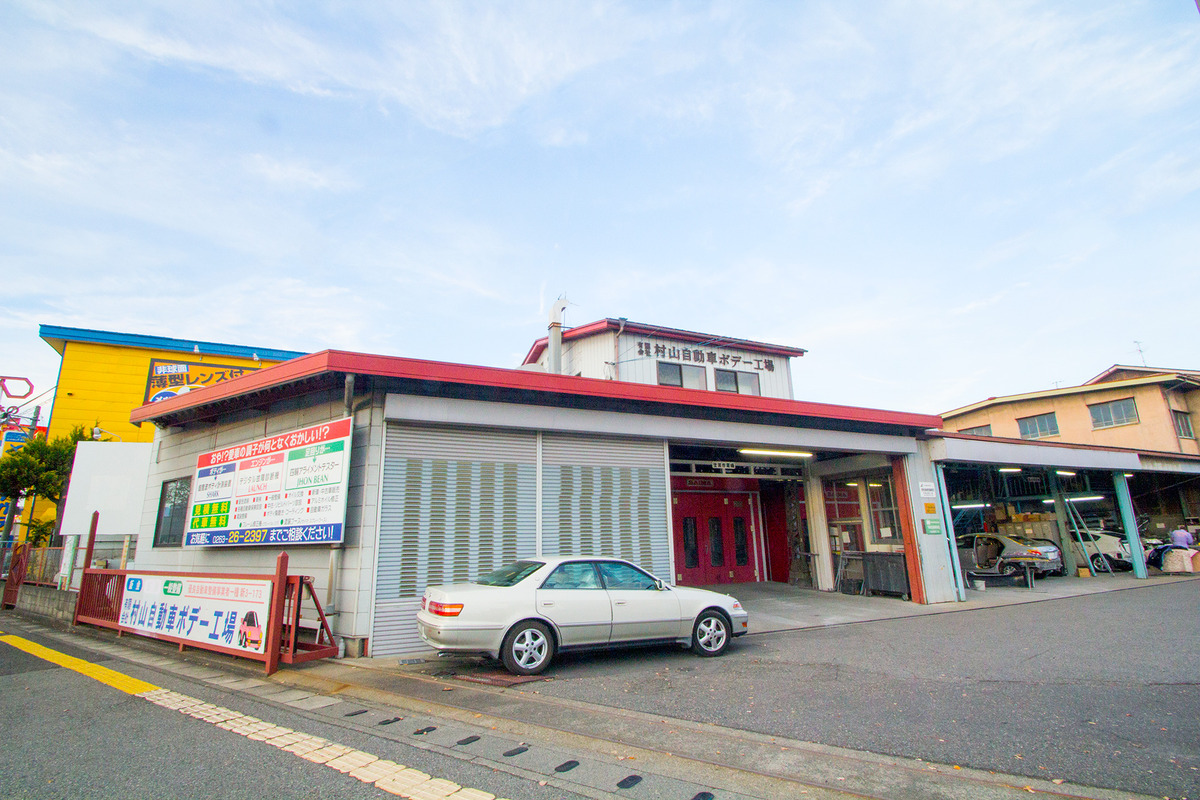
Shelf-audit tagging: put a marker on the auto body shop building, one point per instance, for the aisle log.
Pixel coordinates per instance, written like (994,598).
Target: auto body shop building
(381,475)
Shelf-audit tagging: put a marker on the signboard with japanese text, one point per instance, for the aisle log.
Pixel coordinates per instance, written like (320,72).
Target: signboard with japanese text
(705,355)
(170,378)
(214,612)
(281,490)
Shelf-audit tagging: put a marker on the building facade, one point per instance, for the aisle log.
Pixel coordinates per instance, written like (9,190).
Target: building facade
(617,349)
(456,470)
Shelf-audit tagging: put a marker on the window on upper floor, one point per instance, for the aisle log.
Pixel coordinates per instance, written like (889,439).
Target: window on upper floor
(728,380)
(172,512)
(1112,414)
(978,430)
(1038,427)
(689,376)
(1183,425)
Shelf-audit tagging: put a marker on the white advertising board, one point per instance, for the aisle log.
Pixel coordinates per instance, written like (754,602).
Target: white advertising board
(282,490)
(214,612)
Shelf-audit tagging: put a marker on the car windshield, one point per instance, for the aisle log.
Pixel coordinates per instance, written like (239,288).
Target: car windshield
(510,575)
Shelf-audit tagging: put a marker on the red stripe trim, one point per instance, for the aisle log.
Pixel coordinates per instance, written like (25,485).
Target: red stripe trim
(525,380)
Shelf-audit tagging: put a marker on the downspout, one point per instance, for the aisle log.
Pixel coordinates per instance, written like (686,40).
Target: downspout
(554,365)
(336,549)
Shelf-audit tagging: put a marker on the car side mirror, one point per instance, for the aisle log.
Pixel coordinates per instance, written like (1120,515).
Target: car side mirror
(660,584)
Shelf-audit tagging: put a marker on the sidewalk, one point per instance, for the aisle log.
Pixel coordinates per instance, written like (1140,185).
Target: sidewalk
(465,694)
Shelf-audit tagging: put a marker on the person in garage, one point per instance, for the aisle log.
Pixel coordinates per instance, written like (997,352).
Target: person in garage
(1183,537)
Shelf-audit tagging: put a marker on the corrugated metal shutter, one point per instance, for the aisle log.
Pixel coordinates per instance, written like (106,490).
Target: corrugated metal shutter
(456,504)
(605,496)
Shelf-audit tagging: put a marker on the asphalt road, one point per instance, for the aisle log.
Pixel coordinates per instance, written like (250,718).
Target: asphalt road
(66,735)
(1099,690)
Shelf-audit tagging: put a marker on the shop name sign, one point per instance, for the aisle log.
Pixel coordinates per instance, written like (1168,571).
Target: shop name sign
(698,356)
(281,490)
(210,612)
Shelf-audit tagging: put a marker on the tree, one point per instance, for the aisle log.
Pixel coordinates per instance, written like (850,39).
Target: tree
(41,468)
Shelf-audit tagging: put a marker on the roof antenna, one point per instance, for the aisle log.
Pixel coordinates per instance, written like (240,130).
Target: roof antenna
(1138,344)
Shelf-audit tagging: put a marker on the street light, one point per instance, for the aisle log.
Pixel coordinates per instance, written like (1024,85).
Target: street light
(97,432)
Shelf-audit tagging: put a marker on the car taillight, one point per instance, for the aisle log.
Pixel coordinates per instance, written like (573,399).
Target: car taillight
(444,609)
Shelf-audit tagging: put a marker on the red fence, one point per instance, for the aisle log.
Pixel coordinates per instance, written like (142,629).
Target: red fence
(101,599)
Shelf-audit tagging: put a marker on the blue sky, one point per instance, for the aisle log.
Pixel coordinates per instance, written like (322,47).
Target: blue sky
(941,201)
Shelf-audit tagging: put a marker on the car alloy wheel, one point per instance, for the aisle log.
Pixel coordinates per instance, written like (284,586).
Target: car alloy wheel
(1100,563)
(527,649)
(710,634)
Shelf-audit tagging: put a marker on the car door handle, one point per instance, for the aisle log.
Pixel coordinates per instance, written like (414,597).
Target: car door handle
(547,602)
(618,602)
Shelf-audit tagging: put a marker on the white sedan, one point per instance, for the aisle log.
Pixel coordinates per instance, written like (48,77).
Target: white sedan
(524,613)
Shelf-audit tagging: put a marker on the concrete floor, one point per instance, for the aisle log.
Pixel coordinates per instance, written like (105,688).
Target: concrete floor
(782,607)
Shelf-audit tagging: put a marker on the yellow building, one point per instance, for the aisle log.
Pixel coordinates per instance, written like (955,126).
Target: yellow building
(105,375)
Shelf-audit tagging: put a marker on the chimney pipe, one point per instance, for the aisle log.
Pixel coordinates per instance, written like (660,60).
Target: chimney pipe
(555,356)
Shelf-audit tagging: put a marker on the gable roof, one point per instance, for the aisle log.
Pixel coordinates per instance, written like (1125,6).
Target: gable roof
(326,371)
(1176,379)
(1122,371)
(642,329)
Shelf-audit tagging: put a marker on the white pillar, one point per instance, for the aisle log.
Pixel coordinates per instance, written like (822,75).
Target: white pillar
(818,529)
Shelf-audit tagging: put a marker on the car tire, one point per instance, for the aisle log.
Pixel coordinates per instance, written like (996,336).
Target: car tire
(1008,569)
(527,648)
(242,640)
(1100,563)
(710,634)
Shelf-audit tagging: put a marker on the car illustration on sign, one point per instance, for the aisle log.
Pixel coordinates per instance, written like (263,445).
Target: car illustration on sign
(249,634)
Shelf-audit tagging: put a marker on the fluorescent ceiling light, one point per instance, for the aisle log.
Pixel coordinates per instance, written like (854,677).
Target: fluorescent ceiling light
(970,505)
(1010,469)
(747,451)
(1064,472)
(876,485)
(1084,499)
(851,483)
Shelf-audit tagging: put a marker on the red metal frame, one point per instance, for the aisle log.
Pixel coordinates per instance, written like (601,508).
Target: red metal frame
(102,591)
(16,575)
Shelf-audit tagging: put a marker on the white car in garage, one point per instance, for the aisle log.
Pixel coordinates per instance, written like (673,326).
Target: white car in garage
(1102,545)
(525,613)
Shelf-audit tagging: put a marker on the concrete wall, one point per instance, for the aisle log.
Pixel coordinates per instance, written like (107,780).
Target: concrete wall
(47,601)
(176,451)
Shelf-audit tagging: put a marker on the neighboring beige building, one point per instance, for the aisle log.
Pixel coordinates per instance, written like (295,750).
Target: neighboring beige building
(1142,408)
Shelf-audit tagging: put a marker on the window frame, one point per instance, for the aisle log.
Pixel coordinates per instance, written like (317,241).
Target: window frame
(1108,408)
(165,535)
(1183,420)
(690,376)
(1035,420)
(744,382)
(978,430)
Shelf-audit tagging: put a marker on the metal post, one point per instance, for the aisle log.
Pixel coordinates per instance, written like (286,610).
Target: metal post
(1129,522)
(960,587)
(1064,532)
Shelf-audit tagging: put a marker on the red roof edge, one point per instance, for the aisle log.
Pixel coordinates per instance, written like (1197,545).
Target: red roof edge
(693,337)
(518,379)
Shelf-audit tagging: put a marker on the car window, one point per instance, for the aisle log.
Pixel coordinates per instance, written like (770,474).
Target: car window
(625,576)
(510,575)
(576,575)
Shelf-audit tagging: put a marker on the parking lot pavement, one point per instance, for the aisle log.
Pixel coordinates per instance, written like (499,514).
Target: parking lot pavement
(1043,697)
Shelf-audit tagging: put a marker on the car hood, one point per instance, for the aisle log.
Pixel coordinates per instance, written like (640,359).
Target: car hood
(692,594)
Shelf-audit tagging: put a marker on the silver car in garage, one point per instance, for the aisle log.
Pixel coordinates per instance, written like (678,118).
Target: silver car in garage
(525,613)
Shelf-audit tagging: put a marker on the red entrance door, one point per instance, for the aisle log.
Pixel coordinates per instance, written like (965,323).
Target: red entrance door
(714,539)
